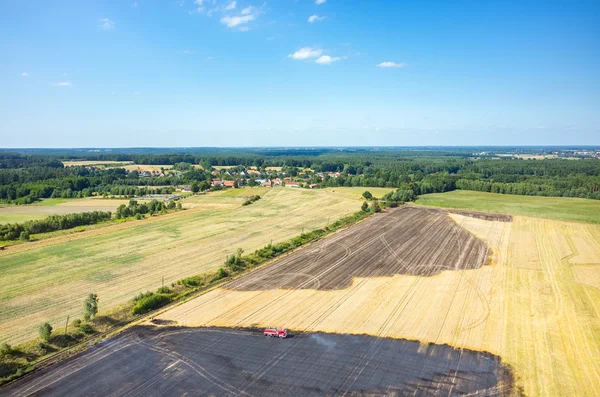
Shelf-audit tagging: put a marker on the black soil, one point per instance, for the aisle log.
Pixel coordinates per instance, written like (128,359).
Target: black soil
(410,240)
(222,362)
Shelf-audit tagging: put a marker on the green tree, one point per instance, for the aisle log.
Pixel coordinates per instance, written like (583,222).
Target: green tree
(195,187)
(179,205)
(204,185)
(365,206)
(236,184)
(24,236)
(90,306)
(367,195)
(45,330)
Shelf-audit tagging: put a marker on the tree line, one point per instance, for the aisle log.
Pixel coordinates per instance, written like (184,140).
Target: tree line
(14,231)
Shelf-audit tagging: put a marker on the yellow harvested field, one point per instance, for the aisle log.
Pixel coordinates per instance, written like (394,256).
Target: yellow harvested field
(588,250)
(588,275)
(48,280)
(531,309)
(146,167)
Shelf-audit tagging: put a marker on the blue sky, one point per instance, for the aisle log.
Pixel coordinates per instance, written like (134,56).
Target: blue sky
(296,73)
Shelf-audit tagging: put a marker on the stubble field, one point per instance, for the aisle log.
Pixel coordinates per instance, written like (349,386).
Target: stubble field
(48,280)
(23,213)
(535,305)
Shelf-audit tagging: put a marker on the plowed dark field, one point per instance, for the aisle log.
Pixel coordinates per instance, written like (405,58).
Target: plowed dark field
(225,362)
(409,240)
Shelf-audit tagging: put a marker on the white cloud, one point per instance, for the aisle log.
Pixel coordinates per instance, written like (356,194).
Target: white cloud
(317,2)
(232,22)
(24,74)
(247,10)
(63,84)
(391,65)
(231,6)
(106,23)
(306,53)
(315,18)
(327,60)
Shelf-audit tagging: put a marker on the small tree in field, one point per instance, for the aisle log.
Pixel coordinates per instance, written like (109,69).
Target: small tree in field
(367,195)
(90,306)
(365,206)
(45,331)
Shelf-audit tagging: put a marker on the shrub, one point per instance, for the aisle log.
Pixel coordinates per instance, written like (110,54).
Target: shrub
(367,195)
(45,330)
(221,273)
(150,303)
(163,290)
(375,207)
(141,296)
(364,207)
(5,349)
(86,328)
(90,306)
(76,323)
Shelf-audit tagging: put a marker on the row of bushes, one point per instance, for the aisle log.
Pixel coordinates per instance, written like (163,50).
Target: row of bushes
(14,231)
(251,199)
(134,208)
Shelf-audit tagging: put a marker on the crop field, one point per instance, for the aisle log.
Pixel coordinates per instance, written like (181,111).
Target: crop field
(560,208)
(228,198)
(242,362)
(427,276)
(356,192)
(23,213)
(48,280)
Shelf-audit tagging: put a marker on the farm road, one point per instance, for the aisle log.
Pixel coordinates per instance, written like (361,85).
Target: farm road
(213,361)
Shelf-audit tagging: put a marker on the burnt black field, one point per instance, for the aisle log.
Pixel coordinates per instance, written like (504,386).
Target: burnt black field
(222,362)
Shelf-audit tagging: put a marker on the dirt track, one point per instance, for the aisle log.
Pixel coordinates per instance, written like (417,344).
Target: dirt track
(410,240)
(213,361)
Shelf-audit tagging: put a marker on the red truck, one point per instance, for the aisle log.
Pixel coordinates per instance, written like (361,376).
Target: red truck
(278,332)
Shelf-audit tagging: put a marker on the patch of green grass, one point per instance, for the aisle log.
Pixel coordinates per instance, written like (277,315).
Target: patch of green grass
(561,208)
(52,201)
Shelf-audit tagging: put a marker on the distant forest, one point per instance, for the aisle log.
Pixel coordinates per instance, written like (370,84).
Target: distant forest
(28,175)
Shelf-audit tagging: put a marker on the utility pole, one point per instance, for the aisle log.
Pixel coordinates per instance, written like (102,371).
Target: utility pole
(67,324)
